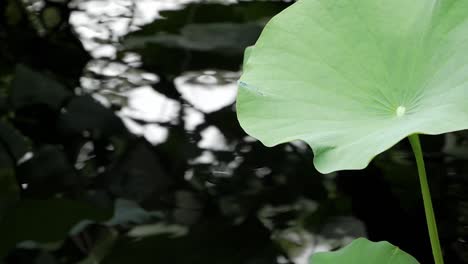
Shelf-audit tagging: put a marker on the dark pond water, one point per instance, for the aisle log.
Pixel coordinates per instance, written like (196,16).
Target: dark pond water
(120,144)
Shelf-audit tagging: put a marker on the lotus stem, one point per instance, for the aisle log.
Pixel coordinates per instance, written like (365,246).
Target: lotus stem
(426,194)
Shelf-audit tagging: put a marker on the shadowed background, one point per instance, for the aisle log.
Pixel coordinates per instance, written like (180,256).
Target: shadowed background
(119,143)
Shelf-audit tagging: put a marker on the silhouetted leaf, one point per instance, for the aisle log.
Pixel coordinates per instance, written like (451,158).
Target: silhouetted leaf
(16,144)
(34,88)
(74,120)
(138,174)
(48,172)
(208,242)
(44,221)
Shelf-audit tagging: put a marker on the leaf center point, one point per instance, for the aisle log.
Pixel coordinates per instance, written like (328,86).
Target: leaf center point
(400,111)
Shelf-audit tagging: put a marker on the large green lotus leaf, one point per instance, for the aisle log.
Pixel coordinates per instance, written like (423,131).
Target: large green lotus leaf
(354,77)
(363,251)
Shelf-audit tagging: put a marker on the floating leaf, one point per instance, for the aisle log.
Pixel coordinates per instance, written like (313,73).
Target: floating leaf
(213,37)
(363,251)
(218,37)
(353,78)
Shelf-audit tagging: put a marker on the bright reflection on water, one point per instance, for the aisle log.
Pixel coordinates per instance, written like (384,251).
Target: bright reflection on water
(209,90)
(100,24)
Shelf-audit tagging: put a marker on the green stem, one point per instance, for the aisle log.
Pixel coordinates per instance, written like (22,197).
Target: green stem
(426,194)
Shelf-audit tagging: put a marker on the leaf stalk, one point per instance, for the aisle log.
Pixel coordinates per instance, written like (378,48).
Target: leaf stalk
(426,195)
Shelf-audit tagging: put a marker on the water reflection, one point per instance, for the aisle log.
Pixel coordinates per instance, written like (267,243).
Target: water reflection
(209,90)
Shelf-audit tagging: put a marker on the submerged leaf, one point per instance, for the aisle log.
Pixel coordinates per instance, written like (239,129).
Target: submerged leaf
(353,78)
(363,251)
